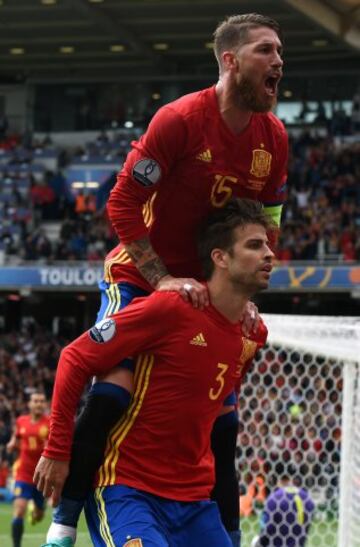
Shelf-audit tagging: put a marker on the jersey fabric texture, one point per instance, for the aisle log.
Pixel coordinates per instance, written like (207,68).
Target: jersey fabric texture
(188,163)
(189,362)
(29,492)
(119,515)
(32,436)
(286,518)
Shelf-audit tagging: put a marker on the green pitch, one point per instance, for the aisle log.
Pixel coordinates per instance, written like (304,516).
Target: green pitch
(34,536)
(322,533)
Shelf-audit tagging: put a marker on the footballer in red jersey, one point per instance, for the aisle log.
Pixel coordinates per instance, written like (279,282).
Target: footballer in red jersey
(188,163)
(29,438)
(190,359)
(197,153)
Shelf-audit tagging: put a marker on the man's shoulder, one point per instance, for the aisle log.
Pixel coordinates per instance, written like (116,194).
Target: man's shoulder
(191,103)
(23,419)
(170,299)
(168,306)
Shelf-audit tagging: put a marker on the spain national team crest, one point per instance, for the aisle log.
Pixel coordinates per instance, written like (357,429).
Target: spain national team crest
(261,163)
(248,351)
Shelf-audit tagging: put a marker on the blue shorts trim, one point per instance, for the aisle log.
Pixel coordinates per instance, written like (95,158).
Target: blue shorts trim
(115,297)
(29,492)
(118,514)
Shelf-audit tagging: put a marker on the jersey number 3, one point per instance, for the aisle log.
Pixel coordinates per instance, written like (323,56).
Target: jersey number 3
(215,392)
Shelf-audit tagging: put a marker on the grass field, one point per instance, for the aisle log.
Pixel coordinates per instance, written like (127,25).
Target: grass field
(34,536)
(322,533)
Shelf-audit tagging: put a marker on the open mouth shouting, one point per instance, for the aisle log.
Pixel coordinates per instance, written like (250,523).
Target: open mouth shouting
(271,84)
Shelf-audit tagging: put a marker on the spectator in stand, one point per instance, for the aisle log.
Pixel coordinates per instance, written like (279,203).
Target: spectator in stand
(38,246)
(85,203)
(43,199)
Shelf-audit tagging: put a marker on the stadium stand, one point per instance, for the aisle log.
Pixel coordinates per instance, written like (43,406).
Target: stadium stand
(321,219)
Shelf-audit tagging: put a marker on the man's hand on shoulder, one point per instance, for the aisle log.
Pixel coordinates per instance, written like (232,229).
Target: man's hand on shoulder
(49,478)
(250,319)
(190,289)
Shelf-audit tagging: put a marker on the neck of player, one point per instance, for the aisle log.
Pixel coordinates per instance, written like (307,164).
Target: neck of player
(235,118)
(228,299)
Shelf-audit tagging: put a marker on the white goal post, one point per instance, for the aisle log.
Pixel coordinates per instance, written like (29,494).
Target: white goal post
(300,405)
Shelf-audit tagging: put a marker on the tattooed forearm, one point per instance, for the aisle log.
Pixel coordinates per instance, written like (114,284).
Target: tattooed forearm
(146,260)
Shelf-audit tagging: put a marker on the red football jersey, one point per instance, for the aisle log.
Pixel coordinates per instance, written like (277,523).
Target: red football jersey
(188,163)
(190,360)
(32,436)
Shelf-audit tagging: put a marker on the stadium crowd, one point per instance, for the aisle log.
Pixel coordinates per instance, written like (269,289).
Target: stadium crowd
(321,220)
(28,361)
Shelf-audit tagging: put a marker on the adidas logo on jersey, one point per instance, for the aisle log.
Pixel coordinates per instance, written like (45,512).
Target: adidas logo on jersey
(198,340)
(204,156)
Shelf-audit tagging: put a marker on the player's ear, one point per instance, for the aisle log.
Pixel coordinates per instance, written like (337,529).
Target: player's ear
(220,258)
(229,60)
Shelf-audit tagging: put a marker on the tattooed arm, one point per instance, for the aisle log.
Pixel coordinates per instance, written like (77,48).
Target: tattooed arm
(154,271)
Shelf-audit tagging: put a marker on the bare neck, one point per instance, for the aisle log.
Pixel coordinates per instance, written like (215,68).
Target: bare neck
(235,117)
(227,299)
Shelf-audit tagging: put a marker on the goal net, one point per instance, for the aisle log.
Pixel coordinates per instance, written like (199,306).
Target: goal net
(300,416)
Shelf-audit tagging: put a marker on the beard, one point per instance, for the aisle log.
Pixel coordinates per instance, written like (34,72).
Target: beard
(249,97)
(247,283)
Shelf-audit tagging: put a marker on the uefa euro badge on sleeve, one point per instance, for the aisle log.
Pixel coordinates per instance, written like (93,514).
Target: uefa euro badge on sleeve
(103,331)
(147,172)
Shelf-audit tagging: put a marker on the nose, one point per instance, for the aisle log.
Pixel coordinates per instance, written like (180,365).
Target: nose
(269,254)
(277,60)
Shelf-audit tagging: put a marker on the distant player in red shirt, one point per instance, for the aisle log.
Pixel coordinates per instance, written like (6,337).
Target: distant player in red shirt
(29,437)
(198,151)
(154,485)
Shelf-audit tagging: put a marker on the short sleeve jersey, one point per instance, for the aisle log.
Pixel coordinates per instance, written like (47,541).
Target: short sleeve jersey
(32,436)
(186,164)
(189,362)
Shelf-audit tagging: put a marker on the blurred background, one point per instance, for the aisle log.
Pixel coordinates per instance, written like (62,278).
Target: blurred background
(79,80)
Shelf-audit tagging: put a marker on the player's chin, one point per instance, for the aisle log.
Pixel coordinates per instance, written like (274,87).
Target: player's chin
(263,280)
(266,102)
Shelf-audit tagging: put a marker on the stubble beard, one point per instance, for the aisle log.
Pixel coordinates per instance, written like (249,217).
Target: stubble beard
(247,96)
(246,285)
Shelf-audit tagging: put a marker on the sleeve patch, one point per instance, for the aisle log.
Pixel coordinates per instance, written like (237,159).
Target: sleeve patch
(103,331)
(147,172)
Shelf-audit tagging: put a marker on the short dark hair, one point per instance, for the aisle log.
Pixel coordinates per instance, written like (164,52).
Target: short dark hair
(36,391)
(232,32)
(217,232)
